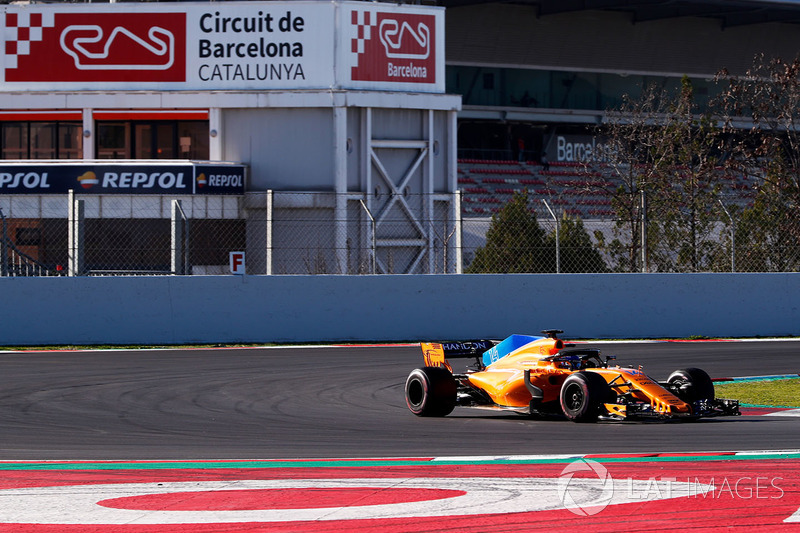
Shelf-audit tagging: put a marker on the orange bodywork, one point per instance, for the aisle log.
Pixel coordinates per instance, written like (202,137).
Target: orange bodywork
(641,387)
(433,354)
(504,380)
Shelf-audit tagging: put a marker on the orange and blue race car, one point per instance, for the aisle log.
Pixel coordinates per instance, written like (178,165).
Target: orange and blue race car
(543,376)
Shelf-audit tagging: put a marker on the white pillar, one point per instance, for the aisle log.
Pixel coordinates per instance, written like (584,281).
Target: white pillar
(340,187)
(88,135)
(215,134)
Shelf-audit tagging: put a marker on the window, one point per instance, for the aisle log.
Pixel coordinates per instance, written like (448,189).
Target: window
(70,141)
(113,140)
(193,139)
(15,140)
(152,139)
(41,140)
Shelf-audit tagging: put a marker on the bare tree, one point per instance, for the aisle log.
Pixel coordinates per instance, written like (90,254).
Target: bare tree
(690,181)
(634,152)
(766,103)
(660,149)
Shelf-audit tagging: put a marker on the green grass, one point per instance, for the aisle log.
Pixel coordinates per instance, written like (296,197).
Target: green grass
(774,393)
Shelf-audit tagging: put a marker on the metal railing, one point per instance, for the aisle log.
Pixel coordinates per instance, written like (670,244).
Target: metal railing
(14,262)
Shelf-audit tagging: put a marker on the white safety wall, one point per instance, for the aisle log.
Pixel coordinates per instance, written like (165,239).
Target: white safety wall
(253,309)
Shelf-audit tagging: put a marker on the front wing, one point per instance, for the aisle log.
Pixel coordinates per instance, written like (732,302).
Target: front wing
(644,410)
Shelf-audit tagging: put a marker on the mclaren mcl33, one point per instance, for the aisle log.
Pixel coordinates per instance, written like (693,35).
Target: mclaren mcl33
(543,376)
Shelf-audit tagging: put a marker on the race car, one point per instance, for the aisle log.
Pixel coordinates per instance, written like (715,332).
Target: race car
(543,376)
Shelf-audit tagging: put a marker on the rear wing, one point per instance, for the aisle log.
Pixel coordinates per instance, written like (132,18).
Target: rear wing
(436,353)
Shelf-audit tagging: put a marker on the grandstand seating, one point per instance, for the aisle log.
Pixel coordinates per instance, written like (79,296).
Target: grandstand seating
(570,187)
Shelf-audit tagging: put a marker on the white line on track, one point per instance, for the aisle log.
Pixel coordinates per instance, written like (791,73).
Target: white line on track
(790,412)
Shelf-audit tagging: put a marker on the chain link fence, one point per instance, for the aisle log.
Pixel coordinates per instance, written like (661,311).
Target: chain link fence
(119,235)
(540,222)
(381,233)
(522,217)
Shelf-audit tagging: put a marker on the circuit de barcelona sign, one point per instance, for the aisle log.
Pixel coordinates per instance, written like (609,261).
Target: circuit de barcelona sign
(220,46)
(171,178)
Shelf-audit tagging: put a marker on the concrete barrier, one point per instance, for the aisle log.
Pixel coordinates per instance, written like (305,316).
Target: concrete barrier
(211,309)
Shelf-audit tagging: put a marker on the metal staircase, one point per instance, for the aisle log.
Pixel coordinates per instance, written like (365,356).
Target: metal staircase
(14,262)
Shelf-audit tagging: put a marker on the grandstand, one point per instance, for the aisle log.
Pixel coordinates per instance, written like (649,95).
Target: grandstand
(538,75)
(576,189)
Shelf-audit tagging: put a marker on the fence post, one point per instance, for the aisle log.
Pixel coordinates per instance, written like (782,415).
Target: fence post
(372,222)
(177,230)
(75,224)
(733,237)
(644,229)
(458,228)
(558,241)
(269,232)
(3,249)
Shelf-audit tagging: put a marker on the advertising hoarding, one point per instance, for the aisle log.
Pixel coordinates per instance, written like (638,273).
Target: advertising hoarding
(216,46)
(126,178)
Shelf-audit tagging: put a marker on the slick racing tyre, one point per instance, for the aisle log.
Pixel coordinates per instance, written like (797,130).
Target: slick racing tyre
(582,396)
(431,391)
(691,384)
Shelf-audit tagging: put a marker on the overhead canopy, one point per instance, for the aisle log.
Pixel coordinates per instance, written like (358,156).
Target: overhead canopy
(729,12)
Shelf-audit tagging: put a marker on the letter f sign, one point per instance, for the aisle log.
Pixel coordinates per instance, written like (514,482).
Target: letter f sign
(237,262)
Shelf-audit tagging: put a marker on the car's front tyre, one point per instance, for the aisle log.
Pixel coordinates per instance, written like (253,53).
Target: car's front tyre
(691,385)
(582,396)
(431,391)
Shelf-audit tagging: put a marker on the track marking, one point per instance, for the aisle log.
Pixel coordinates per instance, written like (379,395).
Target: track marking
(788,412)
(83,504)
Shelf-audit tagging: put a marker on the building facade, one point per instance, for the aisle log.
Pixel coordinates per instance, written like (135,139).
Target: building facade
(337,110)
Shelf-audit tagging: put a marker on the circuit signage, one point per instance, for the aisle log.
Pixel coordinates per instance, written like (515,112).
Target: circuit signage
(213,46)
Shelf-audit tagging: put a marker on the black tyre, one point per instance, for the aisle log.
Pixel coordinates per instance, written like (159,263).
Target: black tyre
(691,384)
(582,396)
(431,391)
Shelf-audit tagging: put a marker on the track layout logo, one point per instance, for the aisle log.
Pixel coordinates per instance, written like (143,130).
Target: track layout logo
(77,41)
(52,46)
(394,47)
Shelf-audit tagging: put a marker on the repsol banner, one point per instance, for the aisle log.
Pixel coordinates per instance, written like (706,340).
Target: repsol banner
(221,46)
(122,179)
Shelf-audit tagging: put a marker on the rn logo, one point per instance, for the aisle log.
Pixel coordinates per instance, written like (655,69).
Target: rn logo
(393,47)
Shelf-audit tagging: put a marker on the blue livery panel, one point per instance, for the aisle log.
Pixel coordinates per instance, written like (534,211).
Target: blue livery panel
(508,345)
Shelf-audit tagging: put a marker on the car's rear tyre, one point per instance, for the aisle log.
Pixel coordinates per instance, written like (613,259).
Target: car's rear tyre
(582,396)
(431,391)
(691,385)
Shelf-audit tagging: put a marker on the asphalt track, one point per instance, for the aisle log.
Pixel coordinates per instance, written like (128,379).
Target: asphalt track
(324,402)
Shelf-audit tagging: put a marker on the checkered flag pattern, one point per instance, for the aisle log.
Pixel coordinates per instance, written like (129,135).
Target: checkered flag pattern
(364,23)
(22,29)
